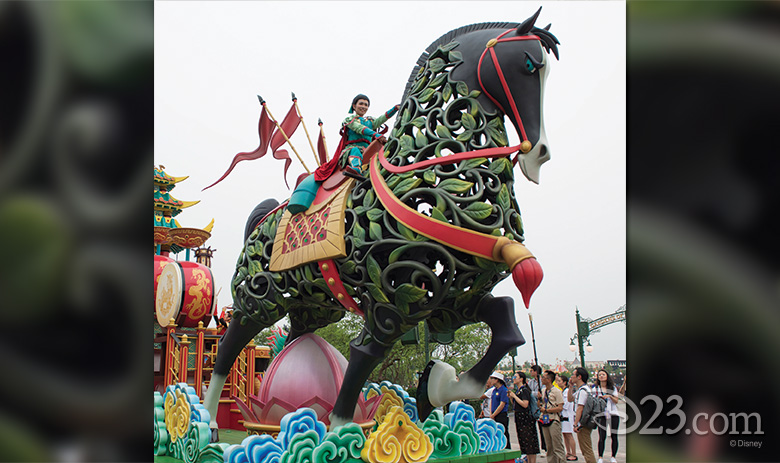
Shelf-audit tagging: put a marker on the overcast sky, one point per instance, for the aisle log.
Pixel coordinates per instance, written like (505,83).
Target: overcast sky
(213,58)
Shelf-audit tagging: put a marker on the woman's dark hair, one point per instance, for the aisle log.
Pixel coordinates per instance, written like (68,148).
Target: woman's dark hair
(610,383)
(357,98)
(565,379)
(521,375)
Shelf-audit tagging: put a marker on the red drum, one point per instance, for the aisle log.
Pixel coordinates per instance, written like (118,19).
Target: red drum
(159,262)
(185,294)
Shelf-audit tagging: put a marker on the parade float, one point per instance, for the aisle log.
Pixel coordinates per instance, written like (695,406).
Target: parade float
(424,237)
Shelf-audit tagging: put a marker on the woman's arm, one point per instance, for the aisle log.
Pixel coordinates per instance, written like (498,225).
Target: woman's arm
(385,116)
(353,124)
(516,398)
(498,410)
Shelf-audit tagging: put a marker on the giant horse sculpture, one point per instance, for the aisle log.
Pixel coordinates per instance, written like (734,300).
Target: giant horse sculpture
(434,228)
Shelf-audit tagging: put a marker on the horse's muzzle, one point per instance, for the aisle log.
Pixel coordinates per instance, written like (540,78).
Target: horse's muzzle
(531,162)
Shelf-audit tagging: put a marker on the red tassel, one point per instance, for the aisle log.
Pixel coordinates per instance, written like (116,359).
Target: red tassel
(527,276)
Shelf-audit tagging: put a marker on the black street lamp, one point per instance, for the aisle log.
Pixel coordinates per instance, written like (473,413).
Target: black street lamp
(583,331)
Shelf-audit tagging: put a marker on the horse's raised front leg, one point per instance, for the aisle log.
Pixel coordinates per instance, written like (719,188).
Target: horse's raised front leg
(362,361)
(439,384)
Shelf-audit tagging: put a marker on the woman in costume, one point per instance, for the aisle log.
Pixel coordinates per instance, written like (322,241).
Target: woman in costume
(358,131)
(361,131)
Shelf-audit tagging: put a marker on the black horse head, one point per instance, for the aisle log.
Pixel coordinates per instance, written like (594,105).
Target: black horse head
(508,63)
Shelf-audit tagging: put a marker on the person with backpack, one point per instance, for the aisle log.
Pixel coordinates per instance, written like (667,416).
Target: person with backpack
(578,383)
(552,406)
(536,390)
(526,414)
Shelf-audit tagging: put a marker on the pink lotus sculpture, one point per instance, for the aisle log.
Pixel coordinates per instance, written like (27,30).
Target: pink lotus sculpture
(307,373)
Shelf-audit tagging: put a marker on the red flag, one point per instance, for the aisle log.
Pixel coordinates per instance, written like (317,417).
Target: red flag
(283,154)
(321,150)
(265,127)
(289,124)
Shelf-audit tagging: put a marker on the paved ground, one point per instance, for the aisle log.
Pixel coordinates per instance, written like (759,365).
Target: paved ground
(621,456)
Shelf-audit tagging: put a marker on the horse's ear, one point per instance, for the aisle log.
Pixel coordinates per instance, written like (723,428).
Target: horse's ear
(528,24)
(547,27)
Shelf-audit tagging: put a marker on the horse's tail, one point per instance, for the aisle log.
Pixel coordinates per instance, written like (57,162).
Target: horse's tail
(259,212)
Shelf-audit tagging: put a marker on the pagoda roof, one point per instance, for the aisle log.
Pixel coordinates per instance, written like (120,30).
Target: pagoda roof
(166,202)
(163,179)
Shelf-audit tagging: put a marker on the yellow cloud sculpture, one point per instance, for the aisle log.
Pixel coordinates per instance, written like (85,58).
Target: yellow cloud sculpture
(389,400)
(177,415)
(397,440)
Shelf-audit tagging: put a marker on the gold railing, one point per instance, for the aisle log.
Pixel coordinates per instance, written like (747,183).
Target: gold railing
(173,371)
(240,369)
(240,380)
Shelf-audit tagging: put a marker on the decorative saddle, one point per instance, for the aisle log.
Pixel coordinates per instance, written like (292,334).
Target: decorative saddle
(317,233)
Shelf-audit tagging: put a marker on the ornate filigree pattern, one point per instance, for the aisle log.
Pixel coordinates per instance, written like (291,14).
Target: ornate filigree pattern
(266,296)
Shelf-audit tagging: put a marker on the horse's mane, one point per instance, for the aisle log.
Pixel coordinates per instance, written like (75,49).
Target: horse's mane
(548,41)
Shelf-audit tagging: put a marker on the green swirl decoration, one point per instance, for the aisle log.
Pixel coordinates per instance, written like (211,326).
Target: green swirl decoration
(161,437)
(213,453)
(446,443)
(301,448)
(436,415)
(341,446)
(469,444)
(190,448)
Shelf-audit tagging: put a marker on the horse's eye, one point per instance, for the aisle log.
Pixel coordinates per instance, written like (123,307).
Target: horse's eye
(529,65)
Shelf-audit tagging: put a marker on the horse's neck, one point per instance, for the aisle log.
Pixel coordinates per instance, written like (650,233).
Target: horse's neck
(443,113)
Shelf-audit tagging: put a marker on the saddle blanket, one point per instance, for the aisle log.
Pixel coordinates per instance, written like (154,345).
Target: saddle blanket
(315,234)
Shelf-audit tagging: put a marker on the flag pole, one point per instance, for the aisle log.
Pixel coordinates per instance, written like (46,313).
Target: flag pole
(298,111)
(262,102)
(533,338)
(322,134)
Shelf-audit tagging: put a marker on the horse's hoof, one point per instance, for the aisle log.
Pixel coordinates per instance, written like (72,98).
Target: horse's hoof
(214,435)
(424,406)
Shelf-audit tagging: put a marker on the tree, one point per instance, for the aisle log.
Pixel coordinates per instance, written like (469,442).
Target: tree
(400,364)
(470,344)
(339,334)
